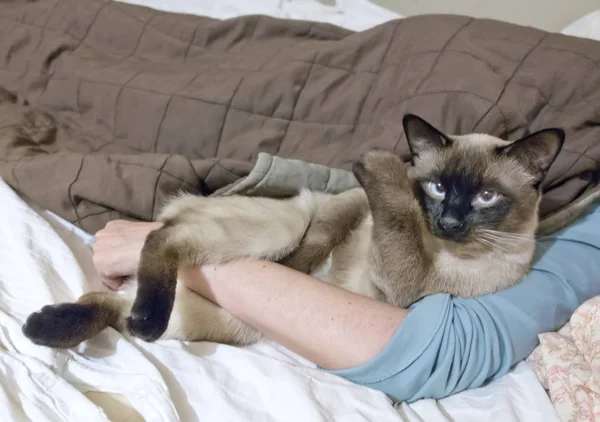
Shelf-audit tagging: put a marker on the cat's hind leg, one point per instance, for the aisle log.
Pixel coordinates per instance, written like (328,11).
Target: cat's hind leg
(193,318)
(334,219)
(201,231)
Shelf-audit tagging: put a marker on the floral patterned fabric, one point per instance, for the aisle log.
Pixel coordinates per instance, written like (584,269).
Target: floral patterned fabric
(567,364)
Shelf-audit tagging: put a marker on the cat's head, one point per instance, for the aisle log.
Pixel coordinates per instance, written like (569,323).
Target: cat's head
(472,184)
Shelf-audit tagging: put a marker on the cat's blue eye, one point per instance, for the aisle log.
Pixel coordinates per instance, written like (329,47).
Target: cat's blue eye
(434,189)
(486,198)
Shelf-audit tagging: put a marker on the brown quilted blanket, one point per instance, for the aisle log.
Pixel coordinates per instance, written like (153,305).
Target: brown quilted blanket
(117,106)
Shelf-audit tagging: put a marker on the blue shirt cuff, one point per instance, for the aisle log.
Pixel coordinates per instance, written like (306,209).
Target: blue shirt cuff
(416,333)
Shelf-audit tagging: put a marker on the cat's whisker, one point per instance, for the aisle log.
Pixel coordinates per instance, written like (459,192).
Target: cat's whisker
(502,243)
(485,240)
(499,244)
(498,237)
(482,244)
(506,241)
(511,237)
(504,234)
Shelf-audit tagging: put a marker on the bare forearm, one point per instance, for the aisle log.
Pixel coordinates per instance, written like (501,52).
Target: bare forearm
(329,326)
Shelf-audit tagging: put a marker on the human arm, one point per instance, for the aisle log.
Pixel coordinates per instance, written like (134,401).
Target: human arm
(329,326)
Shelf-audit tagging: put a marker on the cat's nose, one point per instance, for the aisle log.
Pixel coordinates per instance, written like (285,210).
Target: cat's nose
(450,224)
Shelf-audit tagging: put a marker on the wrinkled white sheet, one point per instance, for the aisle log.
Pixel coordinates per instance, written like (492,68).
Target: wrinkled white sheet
(587,26)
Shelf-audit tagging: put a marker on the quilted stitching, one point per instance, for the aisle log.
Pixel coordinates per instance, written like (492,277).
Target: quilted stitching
(146,102)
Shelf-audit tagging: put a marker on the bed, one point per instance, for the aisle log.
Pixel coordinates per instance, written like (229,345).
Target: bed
(44,259)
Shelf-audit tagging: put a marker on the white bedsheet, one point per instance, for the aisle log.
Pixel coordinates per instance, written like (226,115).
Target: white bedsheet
(356,15)
(588,26)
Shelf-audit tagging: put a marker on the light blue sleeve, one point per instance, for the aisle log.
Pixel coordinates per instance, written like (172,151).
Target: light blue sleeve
(447,344)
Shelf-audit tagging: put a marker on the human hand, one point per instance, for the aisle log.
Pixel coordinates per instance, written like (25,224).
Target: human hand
(117,250)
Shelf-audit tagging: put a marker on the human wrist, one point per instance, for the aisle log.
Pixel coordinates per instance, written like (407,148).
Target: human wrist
(153,225)
(225,285)
(208,281)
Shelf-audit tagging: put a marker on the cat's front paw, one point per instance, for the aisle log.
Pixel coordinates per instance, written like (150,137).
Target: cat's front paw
(362,166)
(62,326)
(150,313)
(377,165)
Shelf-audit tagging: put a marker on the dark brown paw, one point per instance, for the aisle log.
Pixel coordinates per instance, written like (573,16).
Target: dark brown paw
(61,326)
(150,313)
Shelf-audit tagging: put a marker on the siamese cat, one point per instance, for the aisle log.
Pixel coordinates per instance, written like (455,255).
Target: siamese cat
(459,219)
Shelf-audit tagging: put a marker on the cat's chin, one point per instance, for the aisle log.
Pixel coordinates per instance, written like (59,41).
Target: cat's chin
(456,238)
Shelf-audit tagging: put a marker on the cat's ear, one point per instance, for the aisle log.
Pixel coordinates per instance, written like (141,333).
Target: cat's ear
(422,136)
(537,151)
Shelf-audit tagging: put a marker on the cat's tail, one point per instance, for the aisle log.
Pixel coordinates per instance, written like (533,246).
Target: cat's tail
(66,325)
